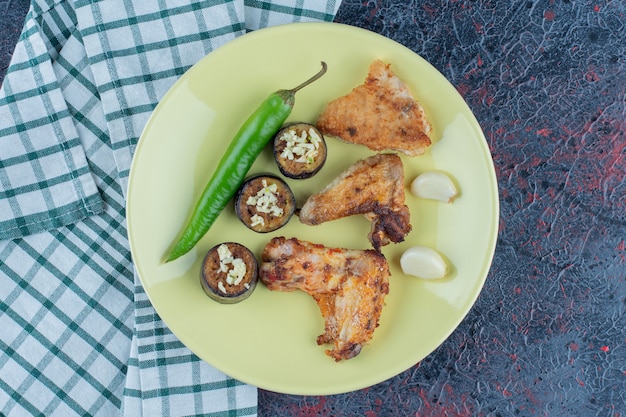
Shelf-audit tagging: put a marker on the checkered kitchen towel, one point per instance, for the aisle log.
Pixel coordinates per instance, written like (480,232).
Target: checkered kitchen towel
(78,335)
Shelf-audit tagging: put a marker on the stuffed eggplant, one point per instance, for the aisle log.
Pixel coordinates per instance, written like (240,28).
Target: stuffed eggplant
(264,203)
(299,150)
(229,273)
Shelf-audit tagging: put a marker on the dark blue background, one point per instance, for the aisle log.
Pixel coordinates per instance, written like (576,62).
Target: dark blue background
(547,83)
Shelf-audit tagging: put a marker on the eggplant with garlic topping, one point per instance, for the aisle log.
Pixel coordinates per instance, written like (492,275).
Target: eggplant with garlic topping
(229,273)
(264,203)
(299,150)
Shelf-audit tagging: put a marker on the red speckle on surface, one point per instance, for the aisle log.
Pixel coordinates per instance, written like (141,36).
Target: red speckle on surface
(522,183)
(478,27)
(596,8)
(313,409)
(592,76)
(604,349)
(463,89)
(535,161)
(483,93)
(549,15)
(450,404)
(532,197)
(545,132)
(431,10)
(424,397)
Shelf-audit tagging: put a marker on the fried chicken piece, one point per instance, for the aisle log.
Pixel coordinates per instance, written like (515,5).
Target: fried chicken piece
(374,187)
(381,114)
(348,285)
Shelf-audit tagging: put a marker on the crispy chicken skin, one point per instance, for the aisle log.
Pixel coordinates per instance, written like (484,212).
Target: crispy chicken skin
(374,187)
(348,285)
(381,114)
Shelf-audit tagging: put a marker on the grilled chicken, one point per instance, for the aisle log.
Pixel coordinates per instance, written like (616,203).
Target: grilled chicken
(374,187)
(381,114)
(348,285)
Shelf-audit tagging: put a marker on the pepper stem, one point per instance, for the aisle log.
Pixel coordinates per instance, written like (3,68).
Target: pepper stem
(310,80)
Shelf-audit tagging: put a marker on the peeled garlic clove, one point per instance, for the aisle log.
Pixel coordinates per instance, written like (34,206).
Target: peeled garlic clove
(434,185)
(423,262)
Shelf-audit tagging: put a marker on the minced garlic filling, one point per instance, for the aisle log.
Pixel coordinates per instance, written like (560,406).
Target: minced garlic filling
(266,201)
(235,268)
(256,220)
(301,148)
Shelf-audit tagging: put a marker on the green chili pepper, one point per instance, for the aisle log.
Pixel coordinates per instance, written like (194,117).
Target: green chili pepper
(246,146)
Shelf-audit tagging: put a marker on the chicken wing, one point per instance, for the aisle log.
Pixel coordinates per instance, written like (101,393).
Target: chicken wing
(374,187)
(381,114)
(348,285)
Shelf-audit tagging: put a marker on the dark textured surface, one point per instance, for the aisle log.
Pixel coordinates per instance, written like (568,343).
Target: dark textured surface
(12,13)
(547,82)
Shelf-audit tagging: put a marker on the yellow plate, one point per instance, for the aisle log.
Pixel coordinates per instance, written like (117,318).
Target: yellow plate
(269,340)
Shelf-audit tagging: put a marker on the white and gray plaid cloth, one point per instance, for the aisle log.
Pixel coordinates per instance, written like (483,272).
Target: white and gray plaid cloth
(78,335)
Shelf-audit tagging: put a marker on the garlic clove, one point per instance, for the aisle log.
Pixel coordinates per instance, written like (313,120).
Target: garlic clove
(423,262)
(434,185)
